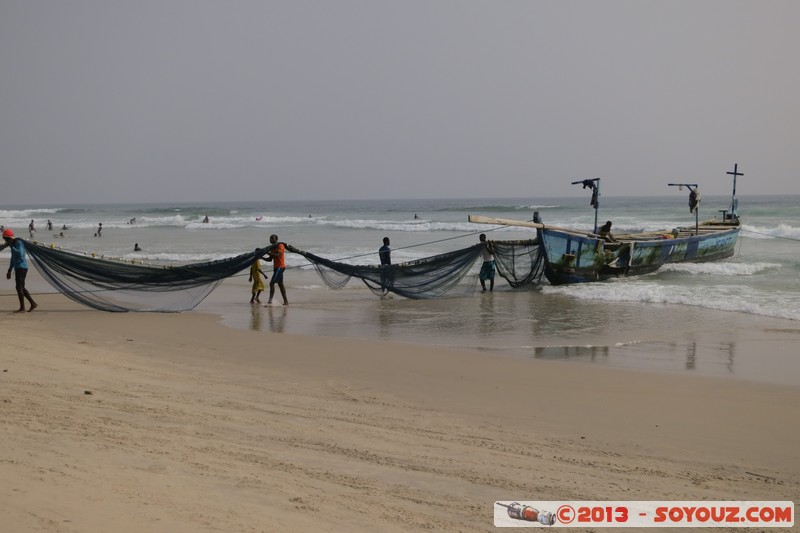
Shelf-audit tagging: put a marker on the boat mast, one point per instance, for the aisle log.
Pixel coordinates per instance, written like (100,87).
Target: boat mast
(594,184)
(734,203)
(696,209)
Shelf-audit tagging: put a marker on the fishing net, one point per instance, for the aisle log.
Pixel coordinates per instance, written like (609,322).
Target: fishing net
(519,262)
(423,278)
(117,286)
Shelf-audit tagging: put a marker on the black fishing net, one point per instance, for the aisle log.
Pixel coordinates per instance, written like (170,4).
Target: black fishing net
(118,286)
(111,285)
(519,262)
(423,278)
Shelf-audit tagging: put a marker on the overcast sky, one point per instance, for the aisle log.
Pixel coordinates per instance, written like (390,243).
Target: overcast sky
(193,100)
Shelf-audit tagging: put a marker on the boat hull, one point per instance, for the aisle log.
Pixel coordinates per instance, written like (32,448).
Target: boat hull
(577,258)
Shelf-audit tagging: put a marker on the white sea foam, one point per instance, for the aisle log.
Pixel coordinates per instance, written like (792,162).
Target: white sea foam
(415,226)
(311,287)
(721,297)
(720,269)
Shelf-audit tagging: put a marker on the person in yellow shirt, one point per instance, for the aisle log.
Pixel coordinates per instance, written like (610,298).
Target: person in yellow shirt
(255,278)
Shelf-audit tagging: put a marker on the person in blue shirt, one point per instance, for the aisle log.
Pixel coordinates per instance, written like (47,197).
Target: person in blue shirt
(20,267)
(385,255)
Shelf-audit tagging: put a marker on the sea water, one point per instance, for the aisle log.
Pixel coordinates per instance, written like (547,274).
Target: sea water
(762,278)
(588,321)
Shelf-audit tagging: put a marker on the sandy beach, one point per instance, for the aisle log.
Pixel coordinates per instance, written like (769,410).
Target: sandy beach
(175,422)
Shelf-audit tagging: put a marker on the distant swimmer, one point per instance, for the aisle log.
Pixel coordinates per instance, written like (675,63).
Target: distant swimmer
(416,217)
(205,220)
(49,225)
(31,229)
(60,235)
(64,226)
(136,248)
(132,221)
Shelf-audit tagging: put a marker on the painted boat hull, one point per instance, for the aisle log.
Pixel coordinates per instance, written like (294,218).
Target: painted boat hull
(578,258)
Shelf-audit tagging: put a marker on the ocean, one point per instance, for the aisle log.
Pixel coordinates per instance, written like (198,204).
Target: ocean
(591,322)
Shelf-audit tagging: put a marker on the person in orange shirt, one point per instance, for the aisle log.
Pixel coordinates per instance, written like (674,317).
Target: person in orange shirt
(279,265)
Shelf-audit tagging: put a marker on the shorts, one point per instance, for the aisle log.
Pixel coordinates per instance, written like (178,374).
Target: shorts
(277,276)
(487,271)
(19,277)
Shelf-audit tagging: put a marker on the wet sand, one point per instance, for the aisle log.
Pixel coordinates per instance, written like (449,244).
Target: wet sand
(530,325)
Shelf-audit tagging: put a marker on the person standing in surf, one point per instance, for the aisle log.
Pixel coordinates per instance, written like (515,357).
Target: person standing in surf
(276,255)
(385,255)
(255,279)
(487,269)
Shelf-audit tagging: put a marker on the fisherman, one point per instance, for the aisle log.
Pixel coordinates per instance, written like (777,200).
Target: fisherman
(487,269)
(605,232)
(385,255)
(276,255)
(20,267)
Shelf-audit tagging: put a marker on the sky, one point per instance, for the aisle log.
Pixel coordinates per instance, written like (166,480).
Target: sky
(115,101)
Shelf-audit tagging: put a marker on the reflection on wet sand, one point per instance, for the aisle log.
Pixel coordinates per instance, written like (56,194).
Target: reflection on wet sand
(255,317)
(729,348)
(486,322)
(276,317)
(570,352)
(543,326)
(691,355)
(672,355)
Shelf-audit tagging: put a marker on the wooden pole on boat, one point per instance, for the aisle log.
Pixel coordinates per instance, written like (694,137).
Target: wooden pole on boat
(696,209)
(594,184)
(733,198)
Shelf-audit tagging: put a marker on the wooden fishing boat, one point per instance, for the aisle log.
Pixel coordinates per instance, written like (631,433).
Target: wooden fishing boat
(579,256)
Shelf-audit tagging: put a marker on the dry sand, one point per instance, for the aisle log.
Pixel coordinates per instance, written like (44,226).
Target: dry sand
(173,422)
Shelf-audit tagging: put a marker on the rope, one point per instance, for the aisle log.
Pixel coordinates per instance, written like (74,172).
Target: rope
(423,243)
(768,235)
